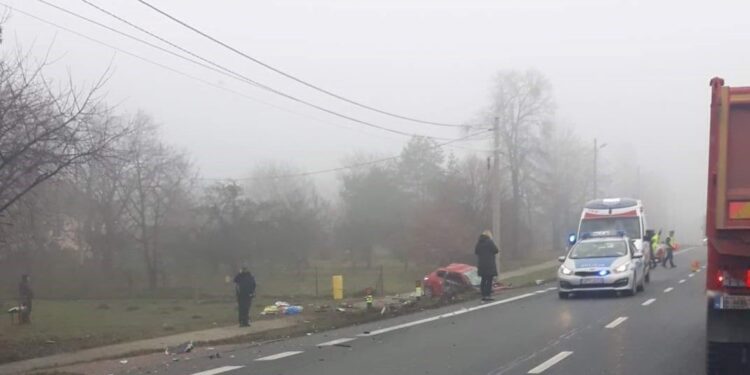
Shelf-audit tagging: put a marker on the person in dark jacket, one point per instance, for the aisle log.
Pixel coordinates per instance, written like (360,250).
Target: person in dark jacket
(245,290)
(25,295)
(669,242)
(486,251)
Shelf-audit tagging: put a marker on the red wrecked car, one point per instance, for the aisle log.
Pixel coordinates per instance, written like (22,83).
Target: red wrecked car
(453,278)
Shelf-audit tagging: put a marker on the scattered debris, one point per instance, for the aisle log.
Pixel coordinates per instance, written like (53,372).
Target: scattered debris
(180,349)
(196,317)
(102,306)
(124,362)
(50,342)
(322,308)
(539,282)
(132,308)
(281,307)
(215,356)
(343,345)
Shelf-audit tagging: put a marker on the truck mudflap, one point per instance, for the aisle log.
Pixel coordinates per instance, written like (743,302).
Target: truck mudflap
(727,337)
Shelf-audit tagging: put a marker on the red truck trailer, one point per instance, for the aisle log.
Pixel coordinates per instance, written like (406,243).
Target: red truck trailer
(728,231)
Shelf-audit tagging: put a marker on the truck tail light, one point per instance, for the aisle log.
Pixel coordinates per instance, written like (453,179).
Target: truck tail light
(720,277)
(733,279)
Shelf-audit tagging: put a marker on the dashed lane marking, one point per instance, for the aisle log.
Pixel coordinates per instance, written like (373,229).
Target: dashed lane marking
(691,275)
(550,362)
(616,322)
(648,302)
(682,281)
(218,370)
(668,290)
(278,356)
(336,342)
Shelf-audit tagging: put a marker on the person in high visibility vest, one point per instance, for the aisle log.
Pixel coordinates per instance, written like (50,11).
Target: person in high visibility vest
(368,300)
(655,246)
(669,241)
(648,241)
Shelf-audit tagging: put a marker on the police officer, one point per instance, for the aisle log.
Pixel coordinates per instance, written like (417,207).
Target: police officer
(648,242)
(245,290)
(669,242)
(655,246)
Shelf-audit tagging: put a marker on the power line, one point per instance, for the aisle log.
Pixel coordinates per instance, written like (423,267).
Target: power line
(230,91)
(232,74)
(347,167)
(131,54)
(294,78)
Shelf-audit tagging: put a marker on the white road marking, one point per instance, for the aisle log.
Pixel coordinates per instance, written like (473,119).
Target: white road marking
(443,316)
(551,289)
(698,270)
(218,370)
(616,322)
(681,281)
(668,290)
(549,363)
(691,275)
(278,356)
(336,342)
(648,302)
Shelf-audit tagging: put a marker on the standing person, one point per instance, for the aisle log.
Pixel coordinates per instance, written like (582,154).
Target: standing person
(25,295)
(245,289)
(655,246)
(486,251)
(669,242)
(647,242)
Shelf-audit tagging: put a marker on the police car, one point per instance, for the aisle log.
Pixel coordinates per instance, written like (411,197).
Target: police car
(603,261)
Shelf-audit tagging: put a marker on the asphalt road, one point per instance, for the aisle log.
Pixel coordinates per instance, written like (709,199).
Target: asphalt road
(659,331)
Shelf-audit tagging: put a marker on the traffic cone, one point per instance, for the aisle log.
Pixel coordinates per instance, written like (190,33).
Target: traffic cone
(695,265)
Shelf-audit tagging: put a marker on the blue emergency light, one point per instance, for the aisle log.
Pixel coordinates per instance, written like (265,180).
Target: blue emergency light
(572,239)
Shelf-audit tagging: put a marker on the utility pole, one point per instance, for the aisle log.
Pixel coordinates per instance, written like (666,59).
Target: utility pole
(596,151)
(495,185)
(597,147)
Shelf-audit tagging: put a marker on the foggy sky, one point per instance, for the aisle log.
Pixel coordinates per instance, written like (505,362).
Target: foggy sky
(633,74)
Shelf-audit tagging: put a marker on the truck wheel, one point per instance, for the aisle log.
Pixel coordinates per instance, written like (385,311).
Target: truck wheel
(428,292)
(563,295)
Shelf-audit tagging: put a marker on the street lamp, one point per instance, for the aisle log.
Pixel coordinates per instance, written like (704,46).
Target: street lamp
(597,147)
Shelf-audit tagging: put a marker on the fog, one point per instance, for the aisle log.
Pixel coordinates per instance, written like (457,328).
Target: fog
(633,74)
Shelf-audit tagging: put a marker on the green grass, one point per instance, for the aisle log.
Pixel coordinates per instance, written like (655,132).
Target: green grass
(70,325)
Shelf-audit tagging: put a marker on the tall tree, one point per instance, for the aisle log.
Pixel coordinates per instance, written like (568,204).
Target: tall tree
(159,177)
(523,104)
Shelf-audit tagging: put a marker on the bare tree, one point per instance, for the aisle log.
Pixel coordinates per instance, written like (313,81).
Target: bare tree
(158,177)
(523,104)
(44,131)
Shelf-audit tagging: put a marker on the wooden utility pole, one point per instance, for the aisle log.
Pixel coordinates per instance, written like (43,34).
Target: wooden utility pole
(495,185)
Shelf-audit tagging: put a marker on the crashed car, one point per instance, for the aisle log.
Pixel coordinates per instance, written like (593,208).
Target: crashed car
(453,278)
